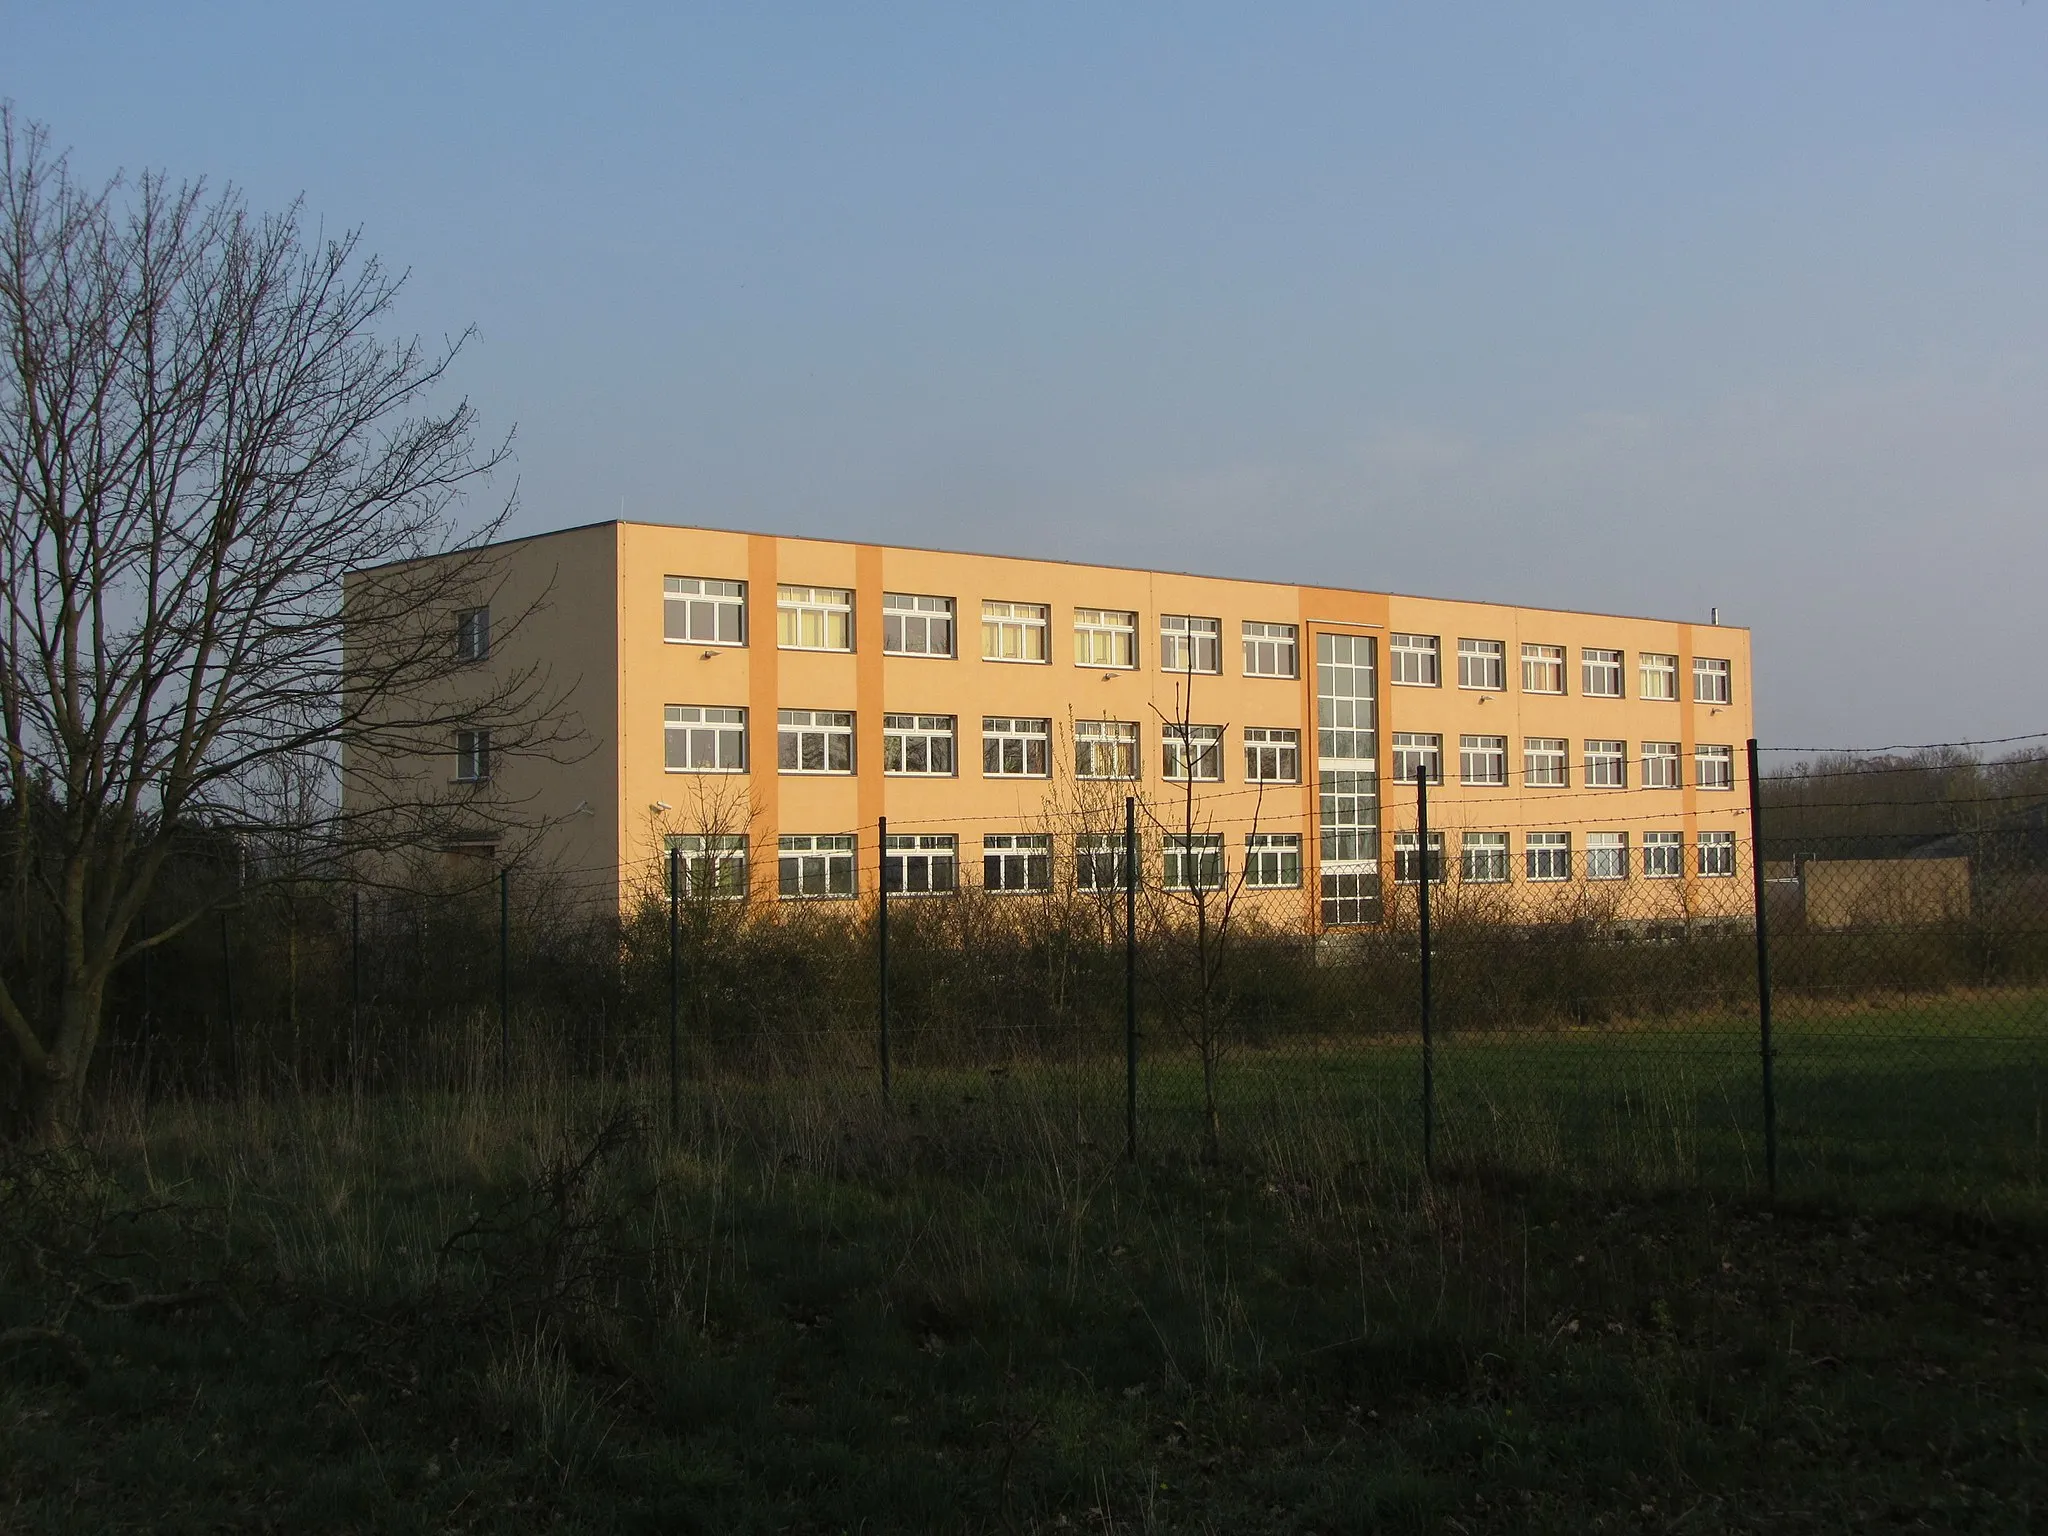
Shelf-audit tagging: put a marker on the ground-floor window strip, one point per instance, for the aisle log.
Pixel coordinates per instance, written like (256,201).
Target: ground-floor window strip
(1483,858)
(921,864)
(1193,861)
(1606,855)
(814,865)
(1017,861)
(1099,862)
(1663,855)
(1717,853)
(1272,861)
(1547,855)
(1408,861)
(711,864)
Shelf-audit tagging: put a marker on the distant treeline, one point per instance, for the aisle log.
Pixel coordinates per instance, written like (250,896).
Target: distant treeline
(1936,800)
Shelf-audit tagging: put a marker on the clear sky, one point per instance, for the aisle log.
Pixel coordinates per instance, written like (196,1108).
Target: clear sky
(1617,306)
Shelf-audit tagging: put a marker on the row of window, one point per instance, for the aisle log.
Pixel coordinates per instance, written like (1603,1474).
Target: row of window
(1416,661)
(702,611)
(1546,762)
(823,865)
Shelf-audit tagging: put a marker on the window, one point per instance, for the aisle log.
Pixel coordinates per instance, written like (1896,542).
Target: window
(1418,752)
(1190,644)
(696,610)
(1660,765)
(1543,669)
(814,618)
(473,634)
(1345,698)
(1606,855)
(1483,664)
(1272,861)
(1105,637)
(1349,814)
(711,865)
(1412,660)
(1016,748)
(1192,752)
(1014,631)
(1483,759)
(1407,865)
(1607,765)
(918,744)
(1543,765)
(921,864)
(1713,767)
(814,741)
(1017,861)
(916,626)
(1484,858)
(1099,863)
(1194,862)
(1105,749)
(814,866)
(1658,678)
(1269,650)
(1548,855)
(1717,853)
(1272,755)
(1663,855)
(1601,673)
(472,757)
(1710,681)
(698,738)
(1350,896)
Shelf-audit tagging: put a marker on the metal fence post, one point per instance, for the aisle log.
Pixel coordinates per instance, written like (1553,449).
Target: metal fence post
(1763,972)
(675,991)
(1130,978)
(227,996)
(355,982)
(505,975)
(882,953)
(1422,912)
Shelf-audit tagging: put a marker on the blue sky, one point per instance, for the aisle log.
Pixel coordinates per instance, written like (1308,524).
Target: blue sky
(1643,308)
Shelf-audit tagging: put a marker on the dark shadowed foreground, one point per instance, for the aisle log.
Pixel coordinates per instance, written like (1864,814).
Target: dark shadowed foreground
(544,1313)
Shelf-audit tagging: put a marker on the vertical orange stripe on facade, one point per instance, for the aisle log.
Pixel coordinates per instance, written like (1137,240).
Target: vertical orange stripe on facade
(762,702)
(870,787)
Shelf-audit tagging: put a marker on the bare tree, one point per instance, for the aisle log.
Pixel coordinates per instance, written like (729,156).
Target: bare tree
(202,434)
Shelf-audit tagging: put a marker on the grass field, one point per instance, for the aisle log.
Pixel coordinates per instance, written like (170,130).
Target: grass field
(535,1310)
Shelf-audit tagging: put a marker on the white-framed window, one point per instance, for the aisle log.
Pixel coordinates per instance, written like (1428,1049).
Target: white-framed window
(1272,754)
(472,757)
(1606,855)
(1483,858)
(473,634)
(1711,682)
(813,618)
(1348,813)
(1105,749)
(1482,759)
(1412,661)
(702,610)
(1483,664)
(1014,747)
(1606,765)
(709,864)
(1713,767)
(1017,861)
(1543,762)
(1105,637)
(1542,668)
(1099,862)
(1015,631)
(703,738)
(814,741)
(921,864)
(1600,673)
(1657,675)
(1717,853)
(1272,861)
(1663,855)
(1547,855)
(813,865)
(916,625)
(919,745)
(1192,752)
(1271,650)
(1190,644)
(1194,861)
(1407,863)
(1350,896)
(1660,765)
(1418,752)
(1346,704)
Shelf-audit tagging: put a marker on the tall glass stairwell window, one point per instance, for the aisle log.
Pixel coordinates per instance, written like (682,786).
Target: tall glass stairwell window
(1347,773)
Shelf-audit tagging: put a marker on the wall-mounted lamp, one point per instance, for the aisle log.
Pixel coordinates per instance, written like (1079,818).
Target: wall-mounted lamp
(706,655)
(583,809)
(661,805)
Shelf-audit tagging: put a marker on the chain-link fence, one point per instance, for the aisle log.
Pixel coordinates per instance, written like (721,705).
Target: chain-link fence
(1610,991)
